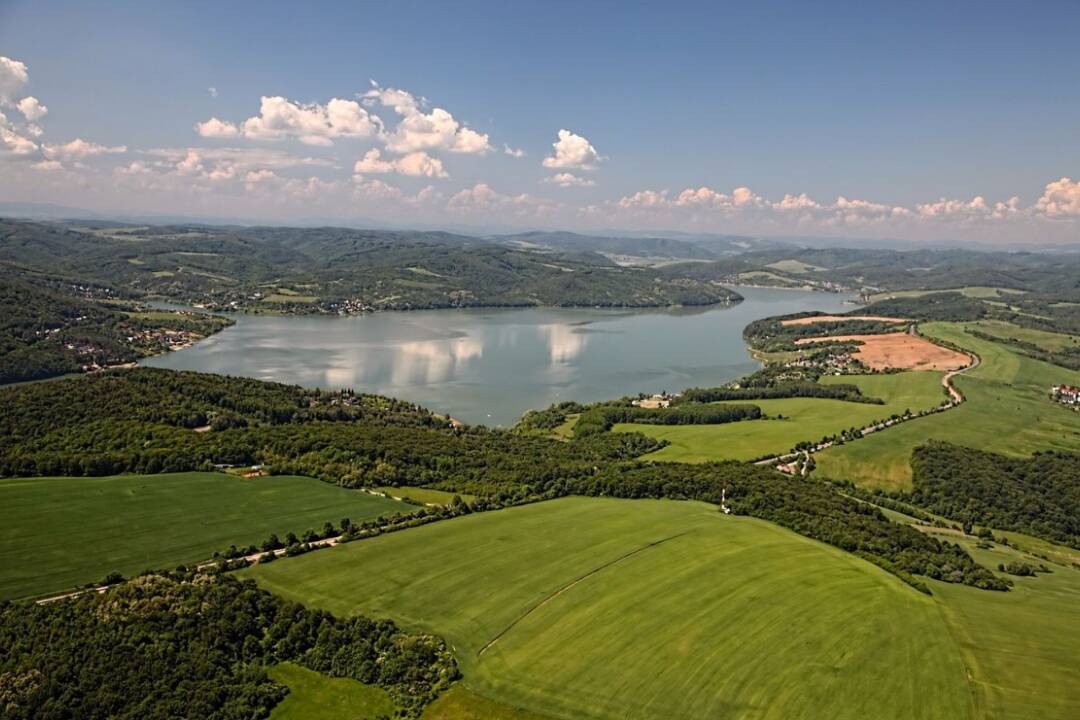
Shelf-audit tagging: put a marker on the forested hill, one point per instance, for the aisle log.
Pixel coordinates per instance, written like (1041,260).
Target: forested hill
(48,330)
(335,269)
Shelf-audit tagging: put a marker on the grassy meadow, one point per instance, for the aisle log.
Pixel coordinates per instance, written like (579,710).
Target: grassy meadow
(804,419)
(1007,411)
(61,532)
(604,608)
(313,696)
(422,495)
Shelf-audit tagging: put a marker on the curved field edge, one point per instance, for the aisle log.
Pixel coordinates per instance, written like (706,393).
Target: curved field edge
(314,696)
(804,419)
(1007,411)
(60,532)
(729,617)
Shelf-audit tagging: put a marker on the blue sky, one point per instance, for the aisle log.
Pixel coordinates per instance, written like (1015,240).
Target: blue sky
(910,113)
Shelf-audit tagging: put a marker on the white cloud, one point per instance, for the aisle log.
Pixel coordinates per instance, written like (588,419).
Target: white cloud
(215,128)
(256,180)
(310,123)
(565,179)
(417,130)
(245,157)
(12,143)
(482,198)
(513,152)
(572,152)
(212,91)
(79,148)
(645,200)
(13,76)
(48,165)
(31,109)
(1060,198)
(802,201)
(950,209)
(415,164)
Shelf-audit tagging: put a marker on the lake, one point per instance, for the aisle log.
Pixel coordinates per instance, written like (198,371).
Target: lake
(489,366)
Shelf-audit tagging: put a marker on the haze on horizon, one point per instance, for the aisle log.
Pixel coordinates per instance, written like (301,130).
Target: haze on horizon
(920,122)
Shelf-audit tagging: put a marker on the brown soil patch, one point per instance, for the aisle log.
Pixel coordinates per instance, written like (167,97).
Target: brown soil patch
(840,318)
(900,350)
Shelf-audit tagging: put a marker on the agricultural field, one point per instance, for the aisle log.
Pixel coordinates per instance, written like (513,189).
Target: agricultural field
(313,696)
(1022,648)
(1007,411)
(1048,341)
(981,292)
(61,532)
(804,419)
(604,608)
(898,350)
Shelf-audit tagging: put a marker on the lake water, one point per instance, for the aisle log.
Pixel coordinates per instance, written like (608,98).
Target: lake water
(490,366)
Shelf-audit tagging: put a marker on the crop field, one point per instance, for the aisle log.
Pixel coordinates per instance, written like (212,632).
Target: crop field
(1022,647)
(60,532)
(1007,411)
(898,350)
(974,291)
(804,419)
(1048,341)
(604,608)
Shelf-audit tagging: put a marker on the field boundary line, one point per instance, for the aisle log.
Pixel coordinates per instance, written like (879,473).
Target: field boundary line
(574,582)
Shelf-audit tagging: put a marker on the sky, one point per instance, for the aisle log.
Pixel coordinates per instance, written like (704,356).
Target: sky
(953,121)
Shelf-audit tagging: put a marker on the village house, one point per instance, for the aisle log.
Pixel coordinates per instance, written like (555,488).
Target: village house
(1067,394)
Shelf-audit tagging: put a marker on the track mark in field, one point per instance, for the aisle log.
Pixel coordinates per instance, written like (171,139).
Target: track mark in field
(572,583)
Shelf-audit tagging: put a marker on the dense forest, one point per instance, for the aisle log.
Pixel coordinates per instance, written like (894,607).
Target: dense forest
(122,421)
(181,645)
(1038,495)
(48,330)
(303,270)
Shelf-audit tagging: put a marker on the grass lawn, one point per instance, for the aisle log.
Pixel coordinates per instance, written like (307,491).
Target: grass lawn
(424,495)
(605,608)
(314,696)
(1007,411)
(804,419)
(56,533)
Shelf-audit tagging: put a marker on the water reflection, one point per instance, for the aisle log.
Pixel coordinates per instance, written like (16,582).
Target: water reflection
(489,366)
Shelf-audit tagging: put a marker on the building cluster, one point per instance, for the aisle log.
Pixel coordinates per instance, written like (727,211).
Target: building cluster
(1066,394)
(659,400)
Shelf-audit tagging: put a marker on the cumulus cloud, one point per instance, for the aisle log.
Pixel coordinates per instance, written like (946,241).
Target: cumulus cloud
(565,179)
(310,123)
(1060,199)
(215,128)
(12,143)
(513,152)
(212,91)
(482,198)
(48,165)
(415,164)
(419,130)
(13,76)
(31,109)
(79,148)
(246,157)
(572,152)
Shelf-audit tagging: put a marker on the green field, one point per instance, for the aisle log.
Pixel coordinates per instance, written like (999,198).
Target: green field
(974,291)
(61,532)
(603,608)
(460,703)
(1007,411)
(1022,647)
(313,696)
(804,419)
(1048,341)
